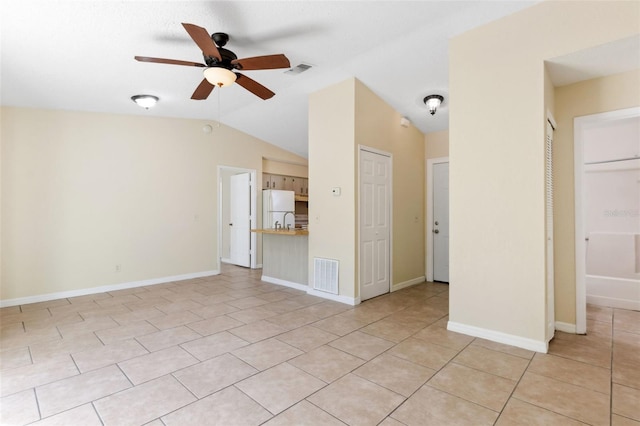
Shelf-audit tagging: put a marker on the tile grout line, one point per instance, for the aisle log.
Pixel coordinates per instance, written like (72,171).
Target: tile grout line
(403,340)
(529,361)
(359,329)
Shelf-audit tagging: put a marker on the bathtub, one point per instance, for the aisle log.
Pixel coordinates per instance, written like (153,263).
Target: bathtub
(613,270)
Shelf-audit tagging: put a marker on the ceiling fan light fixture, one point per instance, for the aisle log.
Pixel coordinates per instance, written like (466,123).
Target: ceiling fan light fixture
(145,101)
(433,102)
(220,77)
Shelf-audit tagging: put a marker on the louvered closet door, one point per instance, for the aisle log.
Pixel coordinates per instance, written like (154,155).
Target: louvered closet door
(549,232)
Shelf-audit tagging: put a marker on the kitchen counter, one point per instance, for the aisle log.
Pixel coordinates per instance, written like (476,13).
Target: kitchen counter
(296,231)
(285,257)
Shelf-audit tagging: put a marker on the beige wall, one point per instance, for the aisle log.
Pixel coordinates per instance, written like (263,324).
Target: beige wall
(286,169)
(497,252)
(436,144)
(332,220)
(585,98)
(378,126)
(84,192)
(358,116)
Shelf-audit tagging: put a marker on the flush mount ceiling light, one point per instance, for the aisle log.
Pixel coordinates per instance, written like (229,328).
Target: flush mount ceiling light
(219,76)
(145,101)
(433,102)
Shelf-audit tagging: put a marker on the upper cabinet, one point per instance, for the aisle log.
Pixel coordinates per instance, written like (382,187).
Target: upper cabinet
(300,186)
(270,181)
(287,183)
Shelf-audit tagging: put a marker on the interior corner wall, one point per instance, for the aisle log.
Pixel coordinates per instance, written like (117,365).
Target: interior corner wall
(497,211)
(594,96)
(83,192)
(332,219)
(342,117)
(378,126)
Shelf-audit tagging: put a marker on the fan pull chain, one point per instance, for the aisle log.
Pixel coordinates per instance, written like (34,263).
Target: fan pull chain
(218,121)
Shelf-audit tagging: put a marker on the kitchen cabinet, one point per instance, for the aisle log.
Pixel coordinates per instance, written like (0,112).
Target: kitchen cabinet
(297,185)
(277,182)
(270,181)
(301,186)
(287,183)
(266,181)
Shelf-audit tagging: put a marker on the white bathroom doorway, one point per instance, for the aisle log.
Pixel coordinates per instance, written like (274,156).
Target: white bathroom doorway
(237,191)
(607,192)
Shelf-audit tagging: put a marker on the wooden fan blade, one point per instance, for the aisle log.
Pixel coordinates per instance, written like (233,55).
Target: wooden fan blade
(267,62)
(203,90)
(167,61)
(203,40)
(254,87)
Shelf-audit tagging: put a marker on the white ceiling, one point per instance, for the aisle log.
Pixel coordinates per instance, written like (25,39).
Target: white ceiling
(610,58)
(78,55)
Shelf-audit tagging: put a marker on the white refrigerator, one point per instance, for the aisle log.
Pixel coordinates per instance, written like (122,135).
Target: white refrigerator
(275,204)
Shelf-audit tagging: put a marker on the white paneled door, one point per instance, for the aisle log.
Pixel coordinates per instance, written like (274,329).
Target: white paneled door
(240,219)
(375,224)
(441,222)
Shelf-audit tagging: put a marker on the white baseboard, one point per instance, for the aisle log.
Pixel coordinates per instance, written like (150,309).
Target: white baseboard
(258,266)
(565,327)
(225,260)
(497,336)
(285,283)
(611,302)
(406,284)
(335,297)
(103,289)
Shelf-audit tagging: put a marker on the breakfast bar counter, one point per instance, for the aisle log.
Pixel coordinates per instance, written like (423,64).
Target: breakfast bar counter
(285,257)
(295,231)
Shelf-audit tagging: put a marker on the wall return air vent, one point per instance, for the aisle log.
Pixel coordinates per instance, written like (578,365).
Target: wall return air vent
(325,275)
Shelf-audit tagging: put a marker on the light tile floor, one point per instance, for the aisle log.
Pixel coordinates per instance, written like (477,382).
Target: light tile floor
(232,350)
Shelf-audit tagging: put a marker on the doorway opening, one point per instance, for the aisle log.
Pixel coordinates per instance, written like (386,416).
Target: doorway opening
(607,204)
(237,208)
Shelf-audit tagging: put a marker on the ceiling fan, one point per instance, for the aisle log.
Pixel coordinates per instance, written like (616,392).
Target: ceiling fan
(221,62)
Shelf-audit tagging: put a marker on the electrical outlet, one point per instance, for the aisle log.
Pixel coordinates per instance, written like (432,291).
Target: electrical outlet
(118,267)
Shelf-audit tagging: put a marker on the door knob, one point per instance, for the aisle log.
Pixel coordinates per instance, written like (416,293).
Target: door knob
(231,224)
(435,231)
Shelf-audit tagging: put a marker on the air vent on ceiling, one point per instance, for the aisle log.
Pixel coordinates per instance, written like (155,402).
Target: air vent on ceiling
(298,69)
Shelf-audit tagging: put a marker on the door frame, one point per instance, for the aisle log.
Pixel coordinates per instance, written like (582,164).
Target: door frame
(579,125)
(390,156)
(429,209)
(253,209)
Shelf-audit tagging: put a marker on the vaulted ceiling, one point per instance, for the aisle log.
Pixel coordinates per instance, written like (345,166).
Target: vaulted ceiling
(78,55)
